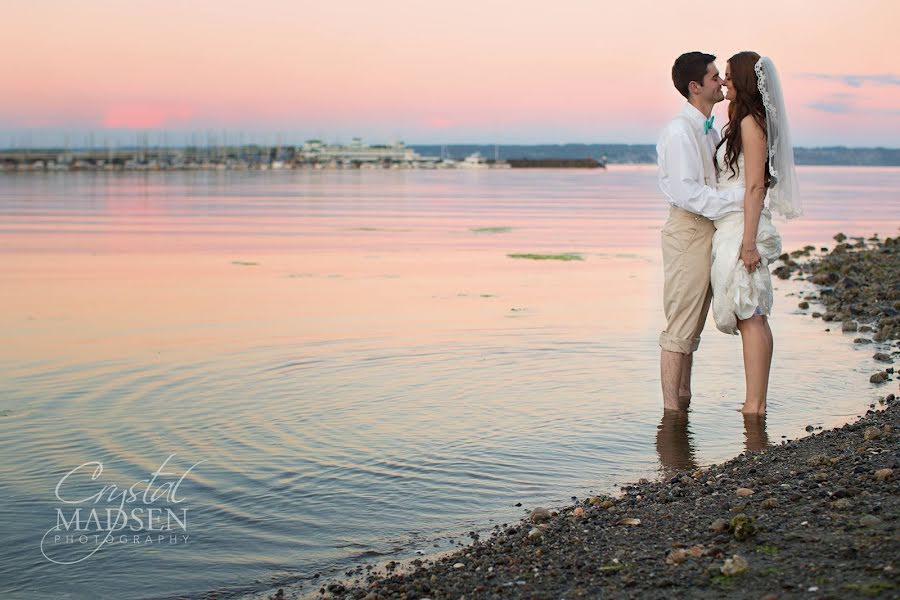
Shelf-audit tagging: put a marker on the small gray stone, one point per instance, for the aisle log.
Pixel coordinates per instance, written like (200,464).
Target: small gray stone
(539,515)
(869,521)
(719,526)
(840,504)
(878,377)
(871,433)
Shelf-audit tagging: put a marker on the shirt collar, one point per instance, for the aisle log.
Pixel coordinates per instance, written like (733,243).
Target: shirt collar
(695,116)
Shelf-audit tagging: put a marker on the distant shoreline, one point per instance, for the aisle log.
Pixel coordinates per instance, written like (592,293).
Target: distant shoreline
(261,157)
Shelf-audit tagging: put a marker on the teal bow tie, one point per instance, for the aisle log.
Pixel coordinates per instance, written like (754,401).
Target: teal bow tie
(707,124)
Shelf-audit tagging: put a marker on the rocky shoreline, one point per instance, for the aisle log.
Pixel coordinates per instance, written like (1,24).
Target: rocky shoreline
(811,518)
(859,284)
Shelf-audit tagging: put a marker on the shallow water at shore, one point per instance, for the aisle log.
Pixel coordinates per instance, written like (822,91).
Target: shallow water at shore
(361,370)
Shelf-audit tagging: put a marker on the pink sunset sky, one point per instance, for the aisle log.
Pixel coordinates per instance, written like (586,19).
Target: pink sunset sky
(486,71)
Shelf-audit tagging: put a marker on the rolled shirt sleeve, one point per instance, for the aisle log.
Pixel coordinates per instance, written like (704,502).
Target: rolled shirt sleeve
(678,169)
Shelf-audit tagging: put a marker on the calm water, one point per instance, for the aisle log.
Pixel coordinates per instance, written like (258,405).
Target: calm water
(358,371)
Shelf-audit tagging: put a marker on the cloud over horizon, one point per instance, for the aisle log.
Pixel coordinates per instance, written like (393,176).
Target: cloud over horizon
(855,81)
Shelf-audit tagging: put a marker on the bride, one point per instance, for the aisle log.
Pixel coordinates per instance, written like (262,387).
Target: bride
(755,153)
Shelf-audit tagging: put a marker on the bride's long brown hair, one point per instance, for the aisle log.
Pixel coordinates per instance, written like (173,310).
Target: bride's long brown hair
(747,101)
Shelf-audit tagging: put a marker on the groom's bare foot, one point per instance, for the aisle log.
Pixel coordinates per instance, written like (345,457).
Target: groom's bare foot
(682,403)
(667,406)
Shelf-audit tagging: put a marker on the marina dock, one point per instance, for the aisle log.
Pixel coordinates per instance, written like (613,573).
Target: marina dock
(312,154)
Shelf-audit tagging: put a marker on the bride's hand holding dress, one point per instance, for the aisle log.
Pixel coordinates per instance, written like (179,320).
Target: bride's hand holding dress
(750,257)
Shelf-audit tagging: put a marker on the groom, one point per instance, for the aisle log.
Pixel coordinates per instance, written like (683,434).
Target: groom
(687,178)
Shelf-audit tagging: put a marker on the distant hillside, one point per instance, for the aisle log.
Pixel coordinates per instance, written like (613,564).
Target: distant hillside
(646,153)
(838,155)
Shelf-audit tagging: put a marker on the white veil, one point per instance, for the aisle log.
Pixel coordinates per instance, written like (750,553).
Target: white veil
(784,192)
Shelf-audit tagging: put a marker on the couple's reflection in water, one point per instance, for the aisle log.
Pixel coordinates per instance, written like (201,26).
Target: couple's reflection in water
(675,443)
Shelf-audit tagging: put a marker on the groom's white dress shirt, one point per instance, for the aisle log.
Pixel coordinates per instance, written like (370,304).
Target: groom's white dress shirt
(687,176)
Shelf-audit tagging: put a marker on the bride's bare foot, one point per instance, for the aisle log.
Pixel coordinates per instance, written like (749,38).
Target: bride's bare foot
(754,408)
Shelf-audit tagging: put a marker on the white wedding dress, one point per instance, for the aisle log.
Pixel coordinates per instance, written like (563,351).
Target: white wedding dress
(738,294)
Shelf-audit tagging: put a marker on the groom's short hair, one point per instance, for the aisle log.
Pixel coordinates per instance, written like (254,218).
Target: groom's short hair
(690,66)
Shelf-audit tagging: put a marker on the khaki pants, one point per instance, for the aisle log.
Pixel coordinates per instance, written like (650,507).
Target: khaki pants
(687,259)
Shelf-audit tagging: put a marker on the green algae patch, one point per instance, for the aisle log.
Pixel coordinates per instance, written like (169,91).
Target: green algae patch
(723,581)
(870,589)
(561,256)
(490,229)
(608,568)
(375,229)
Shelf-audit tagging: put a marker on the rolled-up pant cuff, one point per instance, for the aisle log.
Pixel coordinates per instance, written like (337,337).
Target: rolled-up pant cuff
(682,346)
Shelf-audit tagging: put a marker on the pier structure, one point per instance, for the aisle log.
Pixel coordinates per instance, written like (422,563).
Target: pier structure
(360,155)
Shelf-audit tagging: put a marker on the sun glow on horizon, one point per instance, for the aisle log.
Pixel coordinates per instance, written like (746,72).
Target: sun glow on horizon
(504,72)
